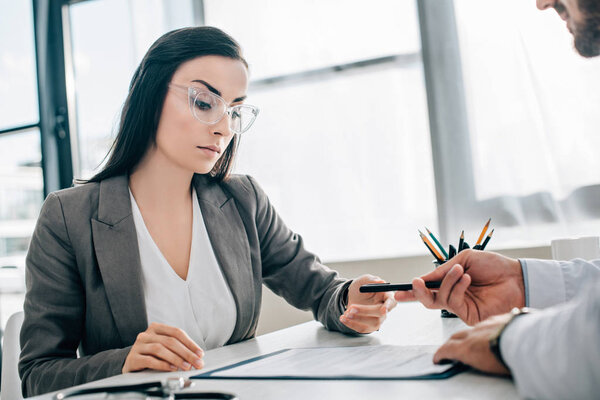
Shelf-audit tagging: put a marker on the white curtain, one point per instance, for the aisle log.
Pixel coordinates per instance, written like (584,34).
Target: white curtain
(345,157)
(533,107)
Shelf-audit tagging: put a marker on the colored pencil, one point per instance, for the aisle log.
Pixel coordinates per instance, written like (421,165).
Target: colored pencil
(461,242)
(438,243)
(485,228)
(432,249)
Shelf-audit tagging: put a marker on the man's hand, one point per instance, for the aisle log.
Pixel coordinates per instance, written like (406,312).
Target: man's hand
(366,311)
(475,286)
(472,346)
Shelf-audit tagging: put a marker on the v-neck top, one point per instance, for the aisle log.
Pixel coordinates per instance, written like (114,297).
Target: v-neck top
(202,305)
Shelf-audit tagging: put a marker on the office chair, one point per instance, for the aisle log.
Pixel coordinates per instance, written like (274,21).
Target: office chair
(10,388)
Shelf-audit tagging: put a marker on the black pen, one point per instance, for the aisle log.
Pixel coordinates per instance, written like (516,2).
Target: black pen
(391,287)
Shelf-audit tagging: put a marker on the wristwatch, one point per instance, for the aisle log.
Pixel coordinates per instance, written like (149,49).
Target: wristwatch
(495,338)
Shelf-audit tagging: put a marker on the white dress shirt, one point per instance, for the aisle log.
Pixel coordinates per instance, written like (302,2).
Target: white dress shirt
(555,353)
(202,305)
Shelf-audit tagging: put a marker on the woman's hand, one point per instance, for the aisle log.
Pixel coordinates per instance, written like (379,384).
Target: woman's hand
(163,348)
(366,311)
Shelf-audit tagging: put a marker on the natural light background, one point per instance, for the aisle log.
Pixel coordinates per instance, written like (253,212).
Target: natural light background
(345,159)
(533,112)
(21,184)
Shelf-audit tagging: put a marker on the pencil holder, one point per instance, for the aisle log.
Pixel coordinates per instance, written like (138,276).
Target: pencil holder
(445,313)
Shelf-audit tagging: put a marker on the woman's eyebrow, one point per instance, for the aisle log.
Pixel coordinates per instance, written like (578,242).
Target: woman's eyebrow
(215,91)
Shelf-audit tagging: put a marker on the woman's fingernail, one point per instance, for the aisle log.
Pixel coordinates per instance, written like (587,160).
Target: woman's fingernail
(198,363)
(200,353)
(186,365)
(353,311)
(174,368)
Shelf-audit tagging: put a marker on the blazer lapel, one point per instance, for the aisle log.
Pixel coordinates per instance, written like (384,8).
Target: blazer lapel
(117,252)
(229,241)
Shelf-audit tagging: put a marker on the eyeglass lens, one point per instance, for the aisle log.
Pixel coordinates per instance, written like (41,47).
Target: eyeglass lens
(209,108)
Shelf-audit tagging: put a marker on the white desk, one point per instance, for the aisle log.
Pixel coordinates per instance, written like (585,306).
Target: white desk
(408,324)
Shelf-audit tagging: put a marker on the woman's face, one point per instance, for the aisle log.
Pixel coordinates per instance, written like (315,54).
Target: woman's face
(183,140)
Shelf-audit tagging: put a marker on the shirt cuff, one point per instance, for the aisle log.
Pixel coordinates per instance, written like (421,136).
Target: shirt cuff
(544,283)
(511,341)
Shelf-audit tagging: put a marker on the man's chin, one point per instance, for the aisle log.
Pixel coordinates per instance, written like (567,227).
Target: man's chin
(587,48)
(587,38)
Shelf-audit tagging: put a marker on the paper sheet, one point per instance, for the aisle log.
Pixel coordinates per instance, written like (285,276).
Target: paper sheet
(368,362)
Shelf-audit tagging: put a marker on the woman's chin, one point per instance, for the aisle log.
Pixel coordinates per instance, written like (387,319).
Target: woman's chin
(203,169)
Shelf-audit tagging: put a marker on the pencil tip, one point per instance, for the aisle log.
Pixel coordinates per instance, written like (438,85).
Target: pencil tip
(428,231)
(490,235)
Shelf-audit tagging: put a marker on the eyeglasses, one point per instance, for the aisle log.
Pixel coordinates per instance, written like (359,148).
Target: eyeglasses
(209,108)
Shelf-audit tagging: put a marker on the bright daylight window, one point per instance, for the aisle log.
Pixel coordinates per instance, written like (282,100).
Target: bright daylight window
(21,184)
(533,115)
(345,157)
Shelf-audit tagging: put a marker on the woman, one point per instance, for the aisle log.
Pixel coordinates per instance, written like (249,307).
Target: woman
(162,254)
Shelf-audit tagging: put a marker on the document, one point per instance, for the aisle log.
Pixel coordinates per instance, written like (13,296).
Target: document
(362,362)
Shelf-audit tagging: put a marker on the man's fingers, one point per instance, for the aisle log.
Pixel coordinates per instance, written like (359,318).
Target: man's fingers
(438,273)
(457,297)
(451,279)
(422,294)
(448,351)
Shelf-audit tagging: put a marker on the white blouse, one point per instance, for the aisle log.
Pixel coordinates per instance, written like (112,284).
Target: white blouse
(202,305)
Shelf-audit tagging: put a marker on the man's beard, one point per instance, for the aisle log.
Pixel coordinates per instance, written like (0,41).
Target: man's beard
(587,34)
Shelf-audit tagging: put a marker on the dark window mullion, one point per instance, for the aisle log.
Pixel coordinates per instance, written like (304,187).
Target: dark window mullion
(54,118)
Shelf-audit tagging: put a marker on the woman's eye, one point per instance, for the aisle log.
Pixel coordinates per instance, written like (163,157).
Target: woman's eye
(202,105)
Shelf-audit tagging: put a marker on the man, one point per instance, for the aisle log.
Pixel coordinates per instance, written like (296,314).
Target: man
(552,353)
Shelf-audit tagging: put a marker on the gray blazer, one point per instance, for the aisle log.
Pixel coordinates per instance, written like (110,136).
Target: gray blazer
(84,287)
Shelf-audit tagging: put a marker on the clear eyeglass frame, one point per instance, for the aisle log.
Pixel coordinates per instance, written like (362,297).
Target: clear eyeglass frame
(236,113)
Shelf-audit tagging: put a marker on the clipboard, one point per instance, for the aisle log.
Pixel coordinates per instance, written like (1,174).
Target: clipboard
(282,365)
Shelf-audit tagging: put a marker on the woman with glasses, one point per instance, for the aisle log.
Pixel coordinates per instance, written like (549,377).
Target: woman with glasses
(162,254)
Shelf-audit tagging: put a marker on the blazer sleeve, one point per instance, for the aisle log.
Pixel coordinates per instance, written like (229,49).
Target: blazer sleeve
(292,272)
(55,313)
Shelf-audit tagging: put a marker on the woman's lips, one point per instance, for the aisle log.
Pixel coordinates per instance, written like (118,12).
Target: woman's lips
(211,151)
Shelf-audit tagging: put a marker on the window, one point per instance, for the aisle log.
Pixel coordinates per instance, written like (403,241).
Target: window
(18,86)
(105,56)
(21,181)
(342,142)
(534,140)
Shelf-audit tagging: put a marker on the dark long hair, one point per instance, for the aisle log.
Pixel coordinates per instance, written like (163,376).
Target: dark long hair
(147,91)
